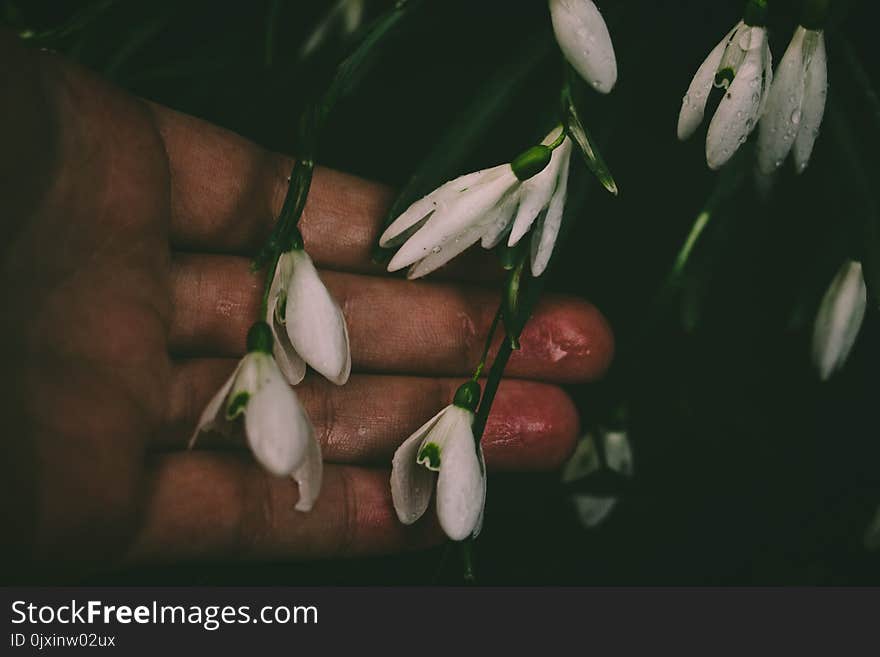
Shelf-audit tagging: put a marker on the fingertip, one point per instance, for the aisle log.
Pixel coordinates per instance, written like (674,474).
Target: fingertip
(567,340)
(532,427)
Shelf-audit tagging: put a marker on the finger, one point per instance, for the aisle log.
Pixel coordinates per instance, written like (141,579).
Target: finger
(532,426)
(223,506)
(226,193)
(394,325)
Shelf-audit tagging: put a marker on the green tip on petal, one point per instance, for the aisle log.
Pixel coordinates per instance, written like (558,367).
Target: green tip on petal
(259,338)
(468,396)
(531,162)
(429,456)
(237,405)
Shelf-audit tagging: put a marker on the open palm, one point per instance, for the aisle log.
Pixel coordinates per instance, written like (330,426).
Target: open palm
(126,297)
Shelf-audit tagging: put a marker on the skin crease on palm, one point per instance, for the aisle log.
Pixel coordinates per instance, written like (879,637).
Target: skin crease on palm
(126,298)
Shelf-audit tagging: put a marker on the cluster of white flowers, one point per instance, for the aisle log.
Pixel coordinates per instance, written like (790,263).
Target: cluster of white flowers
(788,108)
(501,204)
(303,326)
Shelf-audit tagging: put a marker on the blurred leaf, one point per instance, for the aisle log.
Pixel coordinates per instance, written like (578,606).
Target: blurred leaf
(575,128)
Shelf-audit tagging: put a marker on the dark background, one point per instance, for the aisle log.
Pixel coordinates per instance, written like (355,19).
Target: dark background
(748,470)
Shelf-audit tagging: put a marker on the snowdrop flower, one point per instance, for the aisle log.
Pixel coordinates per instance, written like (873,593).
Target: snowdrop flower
(584,40)
(796,103)
(445,445)
(839,319)
(277,428)
(593,509)
(346,16)
(489,206)
(741,65)
(308,325)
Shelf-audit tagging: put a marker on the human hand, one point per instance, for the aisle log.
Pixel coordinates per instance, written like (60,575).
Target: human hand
(127,295)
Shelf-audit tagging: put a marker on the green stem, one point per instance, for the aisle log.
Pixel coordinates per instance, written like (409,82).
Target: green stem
(478,372)
(496,373)
(311,123)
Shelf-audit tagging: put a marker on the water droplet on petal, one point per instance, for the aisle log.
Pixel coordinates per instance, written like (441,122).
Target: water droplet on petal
(436,249)
(796,117)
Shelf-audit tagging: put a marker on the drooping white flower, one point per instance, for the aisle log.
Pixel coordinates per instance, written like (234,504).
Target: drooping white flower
(275,424)
(796,103)
(308,325)
(443,449)
(345,17)
(584,40)
(587,460)
(486,206)
(839,319)
(741,65)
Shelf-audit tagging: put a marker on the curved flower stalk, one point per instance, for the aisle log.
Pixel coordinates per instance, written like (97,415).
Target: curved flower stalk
(505,201)
(741,65)
(277,428)
(443,449)
(796,103)
(306,322)
(839,320)
(584,40)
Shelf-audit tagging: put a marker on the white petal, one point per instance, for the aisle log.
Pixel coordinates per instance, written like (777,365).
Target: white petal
(277,427)
(536,194)
(499,220)
(583,462)
(815,95)
(415,215)
(544,240)
(592,510)
(454,222)
(693,106)
(214,415)
(782,114)
(411,483)
(738,111)
(308,475)
(584,40)
(618,452)
(479,526)
(460,486)
(839,319)
(292,366)
(315,323)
